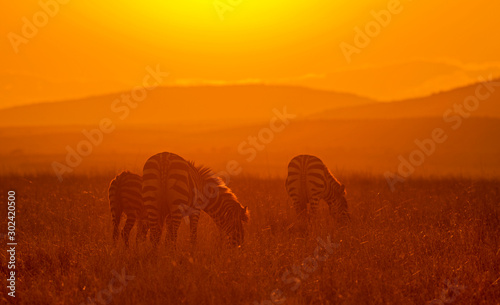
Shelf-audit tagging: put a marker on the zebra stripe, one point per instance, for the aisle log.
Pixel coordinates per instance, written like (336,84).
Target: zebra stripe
(174,188)
(125,197)
(309,181)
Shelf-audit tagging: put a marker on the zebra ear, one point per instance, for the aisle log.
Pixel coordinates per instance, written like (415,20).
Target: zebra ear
(343,188)
(245,214)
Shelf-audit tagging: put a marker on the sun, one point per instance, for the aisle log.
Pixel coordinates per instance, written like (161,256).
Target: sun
(184,16)
(191,27)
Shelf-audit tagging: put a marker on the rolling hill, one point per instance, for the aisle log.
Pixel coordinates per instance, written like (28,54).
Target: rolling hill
(182,105)
(430,106)
(399,81)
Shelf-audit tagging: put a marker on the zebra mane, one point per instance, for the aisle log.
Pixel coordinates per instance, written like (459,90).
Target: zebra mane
(207,175)
(338,185)
(124,174)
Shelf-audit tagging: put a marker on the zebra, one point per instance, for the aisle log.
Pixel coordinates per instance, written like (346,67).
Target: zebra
(125,197)
(174,188)
(309,181)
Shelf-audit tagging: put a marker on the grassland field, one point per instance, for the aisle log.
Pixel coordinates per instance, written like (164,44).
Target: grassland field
(431,241)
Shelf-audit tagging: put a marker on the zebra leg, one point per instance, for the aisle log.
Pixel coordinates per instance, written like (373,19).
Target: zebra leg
(173,225)
(142,227)
(312,216)
(154,225)
(193,225)
(116,218)
(165,219)
(345,218)
(142,231)
(129,224)
(314,206)
(155,235)
(301,209)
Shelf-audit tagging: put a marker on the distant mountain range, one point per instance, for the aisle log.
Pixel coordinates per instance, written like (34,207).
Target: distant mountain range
(383,82)
(488,105)
(242,104)
(24,89)
(403,80)
(183,105)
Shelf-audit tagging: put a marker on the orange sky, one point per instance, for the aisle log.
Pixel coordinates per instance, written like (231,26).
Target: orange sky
(95,47)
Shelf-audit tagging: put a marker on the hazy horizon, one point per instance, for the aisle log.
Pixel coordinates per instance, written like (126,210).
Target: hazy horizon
(88,96)
(314,82)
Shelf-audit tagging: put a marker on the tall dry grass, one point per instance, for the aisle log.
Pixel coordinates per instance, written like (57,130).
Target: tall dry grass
(401,247)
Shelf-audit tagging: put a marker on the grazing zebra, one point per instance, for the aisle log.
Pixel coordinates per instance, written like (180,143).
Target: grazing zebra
(309,180)
(125,197)
(174,188)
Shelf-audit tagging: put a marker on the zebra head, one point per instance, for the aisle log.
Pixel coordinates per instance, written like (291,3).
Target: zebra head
(235,231)
(339,208)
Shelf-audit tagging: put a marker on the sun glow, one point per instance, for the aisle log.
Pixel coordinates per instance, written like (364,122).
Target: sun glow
(195,15)
(210,24)
(107,44)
